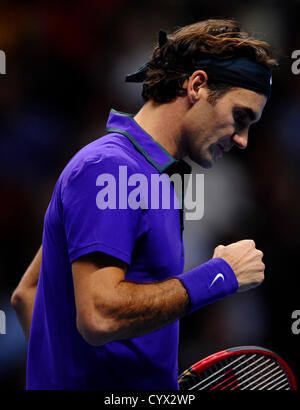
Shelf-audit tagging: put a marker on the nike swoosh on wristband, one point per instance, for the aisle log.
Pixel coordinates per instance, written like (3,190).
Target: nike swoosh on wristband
(219,275)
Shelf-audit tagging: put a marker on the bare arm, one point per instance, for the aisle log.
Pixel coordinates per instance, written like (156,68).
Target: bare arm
(109,308)
(23,296)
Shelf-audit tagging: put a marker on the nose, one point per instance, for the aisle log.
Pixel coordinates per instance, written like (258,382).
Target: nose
(240,139)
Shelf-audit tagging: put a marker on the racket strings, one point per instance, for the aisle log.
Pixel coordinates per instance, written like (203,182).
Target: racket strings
(252,371)
(191,379)
(268,375)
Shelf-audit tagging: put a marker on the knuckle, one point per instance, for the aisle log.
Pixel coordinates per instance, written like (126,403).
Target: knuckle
(260,279)
(250,242)
(260,253)
(219,247)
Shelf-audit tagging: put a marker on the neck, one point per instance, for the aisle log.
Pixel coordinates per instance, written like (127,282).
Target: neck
(164,123)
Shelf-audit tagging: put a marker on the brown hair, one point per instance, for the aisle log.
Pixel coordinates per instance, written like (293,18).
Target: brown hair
(187,45)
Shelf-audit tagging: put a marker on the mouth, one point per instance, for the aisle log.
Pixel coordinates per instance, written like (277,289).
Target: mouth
(224,148)
(218,151)
(220,148)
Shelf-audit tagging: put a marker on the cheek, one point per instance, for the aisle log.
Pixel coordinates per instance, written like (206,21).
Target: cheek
(193,129)
(199,121)
(223,133)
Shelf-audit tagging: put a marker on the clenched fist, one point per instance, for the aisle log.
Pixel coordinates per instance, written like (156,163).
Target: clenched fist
(246,262)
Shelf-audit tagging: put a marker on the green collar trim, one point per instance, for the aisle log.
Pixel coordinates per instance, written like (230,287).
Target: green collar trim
(162,168)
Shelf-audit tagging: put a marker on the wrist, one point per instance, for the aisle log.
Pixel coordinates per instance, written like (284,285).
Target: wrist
(209,282)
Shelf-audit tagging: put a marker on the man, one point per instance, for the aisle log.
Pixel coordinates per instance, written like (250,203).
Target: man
(107,284)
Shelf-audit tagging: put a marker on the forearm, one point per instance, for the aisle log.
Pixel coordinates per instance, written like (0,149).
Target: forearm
(23,297)
(23,302)
(137,309)
(147,307)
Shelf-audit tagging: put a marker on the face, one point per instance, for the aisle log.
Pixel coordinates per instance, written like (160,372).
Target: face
(210,130)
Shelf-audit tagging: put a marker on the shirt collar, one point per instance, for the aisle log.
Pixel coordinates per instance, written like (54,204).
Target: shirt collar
(156,154)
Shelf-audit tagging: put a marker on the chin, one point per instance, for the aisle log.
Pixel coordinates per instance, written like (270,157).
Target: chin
(203,162)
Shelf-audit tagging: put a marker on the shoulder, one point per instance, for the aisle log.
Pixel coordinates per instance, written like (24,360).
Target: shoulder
(104,155)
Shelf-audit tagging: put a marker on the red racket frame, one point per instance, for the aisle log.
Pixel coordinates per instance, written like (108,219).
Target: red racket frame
(203,364)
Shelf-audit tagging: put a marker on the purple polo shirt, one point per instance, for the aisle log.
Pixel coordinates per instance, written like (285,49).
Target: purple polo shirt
(148,240)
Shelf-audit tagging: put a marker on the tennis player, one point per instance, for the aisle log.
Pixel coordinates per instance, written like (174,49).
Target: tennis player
(101,301)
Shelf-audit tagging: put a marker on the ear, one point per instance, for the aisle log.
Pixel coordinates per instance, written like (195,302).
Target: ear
(195,84)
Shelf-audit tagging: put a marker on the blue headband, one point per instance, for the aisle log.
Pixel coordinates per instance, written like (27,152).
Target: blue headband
(239,72)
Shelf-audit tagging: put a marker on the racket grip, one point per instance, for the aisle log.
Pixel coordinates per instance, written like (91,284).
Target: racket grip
(209,282)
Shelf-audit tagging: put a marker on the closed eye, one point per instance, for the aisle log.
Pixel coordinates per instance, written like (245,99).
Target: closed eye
(241,119)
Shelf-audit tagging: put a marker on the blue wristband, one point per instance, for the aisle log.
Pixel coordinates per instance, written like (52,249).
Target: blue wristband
(209,282)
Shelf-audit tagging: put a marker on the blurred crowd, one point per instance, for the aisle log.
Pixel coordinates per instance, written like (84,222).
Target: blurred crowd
(65,69)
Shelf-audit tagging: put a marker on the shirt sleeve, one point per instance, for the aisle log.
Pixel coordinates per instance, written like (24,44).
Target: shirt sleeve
(92,218)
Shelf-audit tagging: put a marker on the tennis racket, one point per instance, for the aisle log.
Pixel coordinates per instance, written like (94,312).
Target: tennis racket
(239,368)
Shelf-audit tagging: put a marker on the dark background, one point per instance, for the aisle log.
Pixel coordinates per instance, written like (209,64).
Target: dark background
(65,69)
